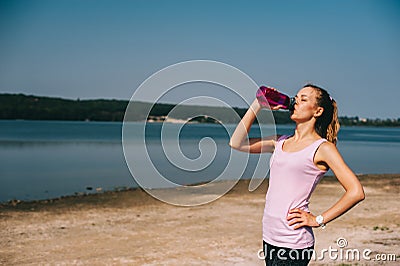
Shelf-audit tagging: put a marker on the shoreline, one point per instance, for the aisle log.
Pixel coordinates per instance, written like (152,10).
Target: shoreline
(131,227)
(82,196)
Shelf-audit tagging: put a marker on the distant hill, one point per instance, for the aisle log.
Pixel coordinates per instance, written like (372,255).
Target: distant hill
(30,107)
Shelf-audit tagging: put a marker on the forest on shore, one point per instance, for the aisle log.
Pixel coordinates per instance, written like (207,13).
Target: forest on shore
(30,107)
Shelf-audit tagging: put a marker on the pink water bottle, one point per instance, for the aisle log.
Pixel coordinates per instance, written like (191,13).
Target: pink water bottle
(269,96)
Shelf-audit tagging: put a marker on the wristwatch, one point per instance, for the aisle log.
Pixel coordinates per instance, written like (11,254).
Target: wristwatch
(320,221)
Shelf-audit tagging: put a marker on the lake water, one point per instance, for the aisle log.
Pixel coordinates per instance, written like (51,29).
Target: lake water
(47,159)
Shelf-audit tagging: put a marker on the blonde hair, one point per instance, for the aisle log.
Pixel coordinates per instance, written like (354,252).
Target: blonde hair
(327,125)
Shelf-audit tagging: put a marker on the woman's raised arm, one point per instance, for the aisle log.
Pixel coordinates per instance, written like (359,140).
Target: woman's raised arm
(239,140)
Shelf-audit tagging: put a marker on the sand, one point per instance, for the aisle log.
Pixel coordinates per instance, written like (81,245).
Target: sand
(132,228)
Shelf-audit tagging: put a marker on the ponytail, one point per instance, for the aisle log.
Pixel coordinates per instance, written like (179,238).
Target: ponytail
(327,125)
(333,127)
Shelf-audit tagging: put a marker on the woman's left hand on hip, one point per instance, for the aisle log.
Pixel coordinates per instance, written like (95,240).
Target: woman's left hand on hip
(301,218)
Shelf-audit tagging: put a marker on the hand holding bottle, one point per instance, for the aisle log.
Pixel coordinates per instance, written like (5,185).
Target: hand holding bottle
(272,99)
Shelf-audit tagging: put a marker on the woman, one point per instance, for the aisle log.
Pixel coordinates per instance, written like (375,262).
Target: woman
(297,164)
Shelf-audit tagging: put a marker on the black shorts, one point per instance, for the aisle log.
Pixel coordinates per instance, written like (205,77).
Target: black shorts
(286,256)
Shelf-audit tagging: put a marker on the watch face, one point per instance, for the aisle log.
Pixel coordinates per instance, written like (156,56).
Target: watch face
(320,219)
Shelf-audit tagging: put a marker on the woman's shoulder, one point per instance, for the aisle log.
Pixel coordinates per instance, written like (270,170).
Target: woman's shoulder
(327,145)
(326,148)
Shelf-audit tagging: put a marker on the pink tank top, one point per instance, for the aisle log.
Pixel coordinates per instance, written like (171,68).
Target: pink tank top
(293,177)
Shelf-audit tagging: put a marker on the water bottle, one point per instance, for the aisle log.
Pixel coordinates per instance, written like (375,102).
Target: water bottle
(269,96)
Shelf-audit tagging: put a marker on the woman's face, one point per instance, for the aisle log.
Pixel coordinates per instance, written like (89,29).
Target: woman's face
(306,105)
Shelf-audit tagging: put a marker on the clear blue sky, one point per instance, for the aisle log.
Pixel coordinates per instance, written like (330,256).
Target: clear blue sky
(106,49)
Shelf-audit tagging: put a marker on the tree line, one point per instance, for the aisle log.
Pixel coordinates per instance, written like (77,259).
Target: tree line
(30,107)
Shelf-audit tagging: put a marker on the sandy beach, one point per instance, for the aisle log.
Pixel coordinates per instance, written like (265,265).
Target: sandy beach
(132,228)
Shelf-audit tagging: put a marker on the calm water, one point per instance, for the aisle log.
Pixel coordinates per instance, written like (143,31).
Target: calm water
(46,159)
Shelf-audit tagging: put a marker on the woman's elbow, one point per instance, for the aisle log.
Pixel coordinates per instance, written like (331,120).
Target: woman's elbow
(358,195)
(234,145)
(362,195)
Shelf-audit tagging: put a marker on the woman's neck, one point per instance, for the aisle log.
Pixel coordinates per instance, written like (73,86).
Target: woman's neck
(305,130)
